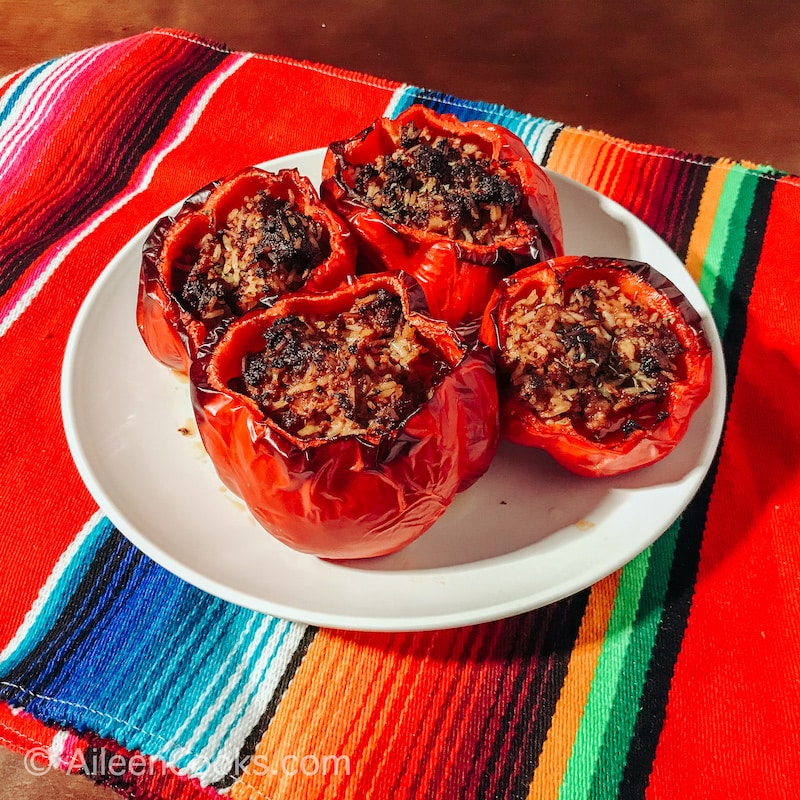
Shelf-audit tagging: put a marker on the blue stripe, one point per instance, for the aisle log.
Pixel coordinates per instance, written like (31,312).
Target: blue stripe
(117,625)
(127,634)
(26,79)
(273,637)
(225,660)
(56,601)
(172,669)
(86,604)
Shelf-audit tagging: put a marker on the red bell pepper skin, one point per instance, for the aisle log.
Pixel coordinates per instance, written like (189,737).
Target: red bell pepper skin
(457,276)
(172,332)
(617,452)
(351,496)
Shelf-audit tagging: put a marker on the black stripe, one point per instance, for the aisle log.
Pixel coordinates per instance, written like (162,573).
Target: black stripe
(559,641)
(736,330)
(683,210)
(527,647)
(548,151)
(250,744)
(137,134)
(71,629)
(683,574)
(543,639)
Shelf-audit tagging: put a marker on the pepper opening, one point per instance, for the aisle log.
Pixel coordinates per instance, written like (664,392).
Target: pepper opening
(362,371)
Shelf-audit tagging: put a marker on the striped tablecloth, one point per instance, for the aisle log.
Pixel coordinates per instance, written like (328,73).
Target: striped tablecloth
(676,677)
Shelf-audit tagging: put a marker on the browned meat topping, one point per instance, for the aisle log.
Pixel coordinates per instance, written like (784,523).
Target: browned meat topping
(443,185)
(361,372)
(595,357)
(266,248)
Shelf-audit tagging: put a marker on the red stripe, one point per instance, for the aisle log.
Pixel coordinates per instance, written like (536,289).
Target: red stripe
(32,440)
(406,746)
(82,158)
(457,740)
(7,81)
(731,727)
(670,193)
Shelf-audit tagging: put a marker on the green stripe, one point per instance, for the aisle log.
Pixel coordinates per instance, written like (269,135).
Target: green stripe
(600,763)
(589,739)
(617,739)
(721,259)
(606,729)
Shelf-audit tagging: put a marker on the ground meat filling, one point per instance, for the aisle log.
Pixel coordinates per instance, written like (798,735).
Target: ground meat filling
(446,186)
(597,358)
(361,372)
(266,248)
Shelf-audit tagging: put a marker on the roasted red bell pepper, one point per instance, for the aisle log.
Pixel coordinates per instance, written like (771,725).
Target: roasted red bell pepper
(298,450)
(457,205)
(601,362)
(190,283)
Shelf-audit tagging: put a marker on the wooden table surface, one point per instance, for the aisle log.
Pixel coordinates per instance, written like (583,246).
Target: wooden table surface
(713,77)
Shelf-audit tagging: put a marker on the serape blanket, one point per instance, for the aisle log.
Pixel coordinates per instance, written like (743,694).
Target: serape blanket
(676,677)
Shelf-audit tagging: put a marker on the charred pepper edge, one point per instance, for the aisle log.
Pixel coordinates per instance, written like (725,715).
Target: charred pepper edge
(206,379)
(573,450)
(507,149)
(190,330)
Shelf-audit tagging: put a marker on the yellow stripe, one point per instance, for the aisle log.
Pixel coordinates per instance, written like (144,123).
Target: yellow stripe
(575,691)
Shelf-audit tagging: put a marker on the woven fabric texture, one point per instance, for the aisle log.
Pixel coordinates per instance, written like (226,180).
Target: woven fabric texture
(675,677)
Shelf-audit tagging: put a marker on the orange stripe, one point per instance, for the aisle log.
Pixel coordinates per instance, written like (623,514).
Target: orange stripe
(311,722)
(376,721)
(575,691)
(574,154)
(604,172)
(704,223)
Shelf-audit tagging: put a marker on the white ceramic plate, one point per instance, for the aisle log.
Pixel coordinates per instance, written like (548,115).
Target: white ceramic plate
(526,534)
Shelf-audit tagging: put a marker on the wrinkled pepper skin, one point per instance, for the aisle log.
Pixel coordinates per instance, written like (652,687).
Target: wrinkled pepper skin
(352,496)
(457,276)
(171,332)
(616,453)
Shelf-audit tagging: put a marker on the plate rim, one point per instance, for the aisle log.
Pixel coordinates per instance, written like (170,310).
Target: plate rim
(365,622)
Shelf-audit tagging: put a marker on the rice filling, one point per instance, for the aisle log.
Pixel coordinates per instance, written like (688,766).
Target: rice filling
(595,357)
(444,185)
(265,249)
(361,372)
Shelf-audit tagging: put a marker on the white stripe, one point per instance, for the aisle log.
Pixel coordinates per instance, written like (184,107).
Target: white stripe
(183,751)
(242,661)
(524,132)
(546,133)
(397,96)
(49,586)
(37,101)
(223,747)
(56,749)
(89,227)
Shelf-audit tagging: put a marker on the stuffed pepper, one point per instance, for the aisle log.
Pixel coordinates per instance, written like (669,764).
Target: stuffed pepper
(346,421)
(235,245)
(456,205)
(601,362)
